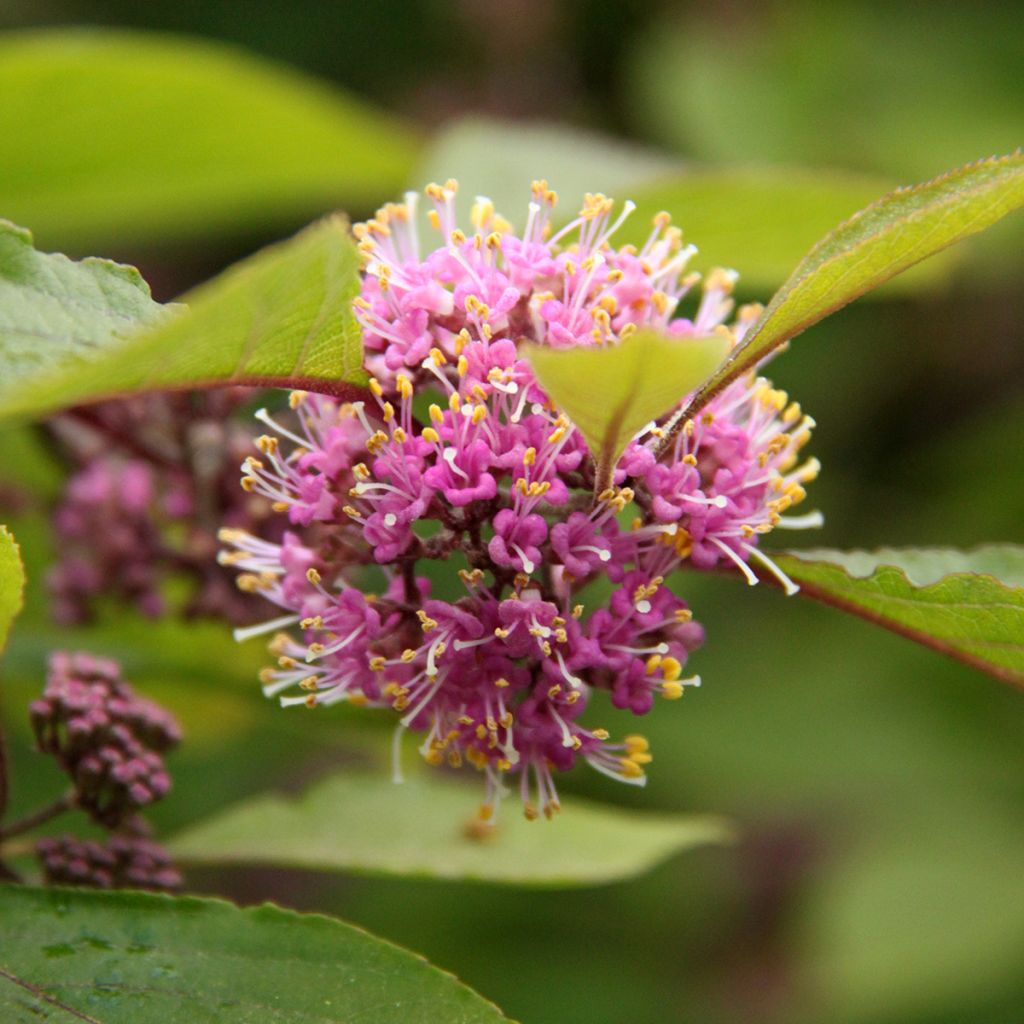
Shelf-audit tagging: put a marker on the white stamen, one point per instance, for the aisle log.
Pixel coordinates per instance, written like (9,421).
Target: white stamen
(787,584)
(248,632)
(740,564)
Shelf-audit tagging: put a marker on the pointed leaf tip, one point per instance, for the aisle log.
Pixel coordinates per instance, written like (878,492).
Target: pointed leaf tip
(611,391)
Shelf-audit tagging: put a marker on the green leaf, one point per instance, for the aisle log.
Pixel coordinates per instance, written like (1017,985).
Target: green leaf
(108,136)
(610,392)
(53,309)
(280,317)
(967,604)
(12,583)
(425,826)
(878,243)
(137,958)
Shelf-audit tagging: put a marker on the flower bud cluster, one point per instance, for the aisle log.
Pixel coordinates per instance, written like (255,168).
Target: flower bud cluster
(105,737)
(122,862)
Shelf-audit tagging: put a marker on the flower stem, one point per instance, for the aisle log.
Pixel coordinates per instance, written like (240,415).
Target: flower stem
(37,818)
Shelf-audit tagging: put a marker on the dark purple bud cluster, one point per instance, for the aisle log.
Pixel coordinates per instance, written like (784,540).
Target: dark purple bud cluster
(123,862)
(151,480)
(109,740)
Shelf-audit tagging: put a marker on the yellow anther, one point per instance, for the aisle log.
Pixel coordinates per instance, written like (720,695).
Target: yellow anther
(313,576)
(690,459)
(720,280)
(376,441)
(481,213)
(630,769)
(671,690)
(375,387)
(462,366)
(530,812)
(479,414)
(431,435)
(296,398)
(279,644)
(399,435)
(454,402)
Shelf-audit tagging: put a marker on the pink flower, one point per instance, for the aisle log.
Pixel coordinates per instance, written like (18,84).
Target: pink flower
(458,452)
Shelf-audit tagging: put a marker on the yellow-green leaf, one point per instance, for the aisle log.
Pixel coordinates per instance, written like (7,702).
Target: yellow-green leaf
(427,826)
(12,583)
(884,239)
(610,392)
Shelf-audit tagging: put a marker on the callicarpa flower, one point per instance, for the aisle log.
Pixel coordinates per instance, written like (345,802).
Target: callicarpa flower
(153,477)
(458,454)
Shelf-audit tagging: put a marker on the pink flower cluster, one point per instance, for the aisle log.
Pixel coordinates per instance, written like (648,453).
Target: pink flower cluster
(152,479)
(458,454)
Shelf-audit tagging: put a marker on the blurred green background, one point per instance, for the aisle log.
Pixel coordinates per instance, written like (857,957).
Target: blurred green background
(879,787)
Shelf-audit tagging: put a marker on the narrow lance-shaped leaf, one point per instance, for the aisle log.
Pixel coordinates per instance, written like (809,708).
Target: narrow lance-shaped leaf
(12,583)
(77,332)
(426,826)
(967,604)
(108,136)
(610,392)
(136,958)
(878,243)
